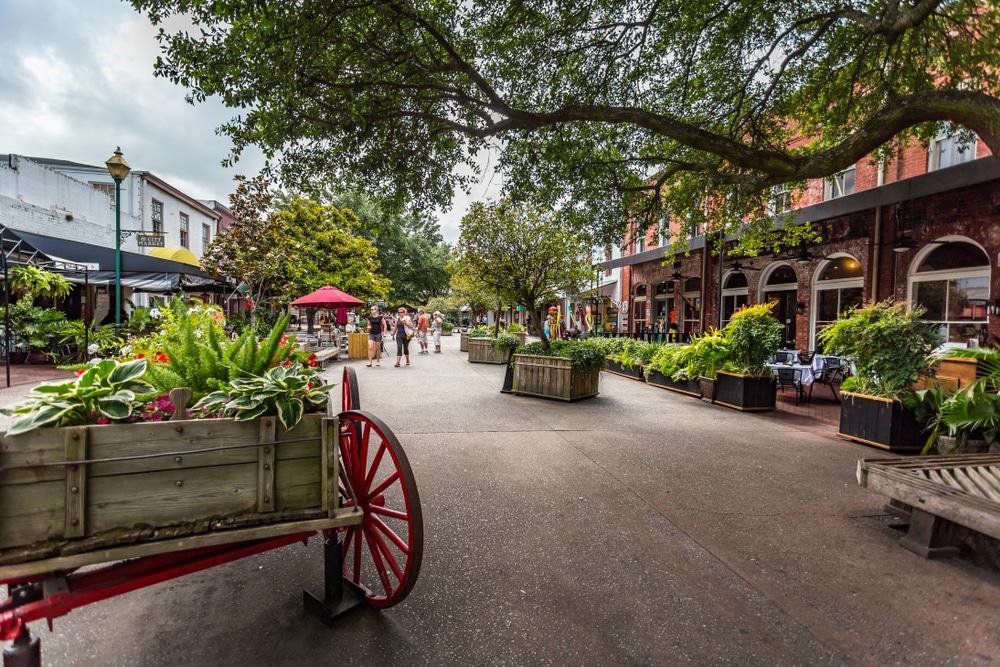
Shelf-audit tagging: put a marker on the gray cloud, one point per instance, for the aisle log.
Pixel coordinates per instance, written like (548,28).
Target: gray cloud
(76,79)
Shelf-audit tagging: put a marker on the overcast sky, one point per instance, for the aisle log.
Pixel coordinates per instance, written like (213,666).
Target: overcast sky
(76,79)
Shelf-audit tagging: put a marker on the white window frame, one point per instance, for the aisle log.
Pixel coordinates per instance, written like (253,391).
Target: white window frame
(833,186)
(780,194)
(934,151)
(184,229)
(820,286)
(731,291)
(947,274)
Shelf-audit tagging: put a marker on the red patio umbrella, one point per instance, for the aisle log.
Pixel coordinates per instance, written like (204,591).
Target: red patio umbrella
(327,297)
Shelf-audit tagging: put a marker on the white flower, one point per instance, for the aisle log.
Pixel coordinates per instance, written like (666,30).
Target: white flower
(93,348)
(127,349)
(155,313)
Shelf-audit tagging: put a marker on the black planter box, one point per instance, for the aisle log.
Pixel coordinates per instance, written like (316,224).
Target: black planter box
(689,387)
(745,392)
(618,369)
(879,422)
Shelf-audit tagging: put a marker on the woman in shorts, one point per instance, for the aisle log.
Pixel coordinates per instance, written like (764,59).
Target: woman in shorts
(377,327)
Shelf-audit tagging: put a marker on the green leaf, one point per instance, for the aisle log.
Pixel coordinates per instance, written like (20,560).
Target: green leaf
(253,413)
(22,425)
(114,409)
(128,372)
(121,396)
(55,387)
(290,412)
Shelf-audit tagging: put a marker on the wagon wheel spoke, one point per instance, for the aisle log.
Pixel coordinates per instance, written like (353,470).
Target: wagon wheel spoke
(382,560)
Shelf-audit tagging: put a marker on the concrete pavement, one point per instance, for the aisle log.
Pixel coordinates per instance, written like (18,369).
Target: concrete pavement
(639,527)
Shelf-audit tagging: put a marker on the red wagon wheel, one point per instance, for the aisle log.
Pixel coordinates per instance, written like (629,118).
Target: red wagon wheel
(381,555)
(350,398)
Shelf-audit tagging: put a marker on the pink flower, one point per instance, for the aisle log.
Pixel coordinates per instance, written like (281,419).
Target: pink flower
(80,371)
(103,420)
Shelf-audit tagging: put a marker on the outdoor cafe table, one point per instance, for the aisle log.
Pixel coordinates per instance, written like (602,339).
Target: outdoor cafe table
(806,374)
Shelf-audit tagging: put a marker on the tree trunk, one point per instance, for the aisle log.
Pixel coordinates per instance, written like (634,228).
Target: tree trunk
(496,319)
(539,324)
(310,319)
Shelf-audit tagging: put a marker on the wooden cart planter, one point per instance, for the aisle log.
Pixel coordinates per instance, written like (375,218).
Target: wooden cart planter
(936,491)
(879,422)
(553,377)
(481,351)
(687,387)
(749,393)
(632,372)
(162,499)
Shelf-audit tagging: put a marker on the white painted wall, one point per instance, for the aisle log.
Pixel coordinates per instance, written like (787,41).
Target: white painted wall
(172,208)
(37,199)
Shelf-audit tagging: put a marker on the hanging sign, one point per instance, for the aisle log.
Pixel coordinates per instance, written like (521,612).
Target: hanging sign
(150,240)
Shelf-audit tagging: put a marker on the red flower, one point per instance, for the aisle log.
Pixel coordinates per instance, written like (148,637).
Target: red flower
(312,359)
(284,341)
(140,356)
(80,371)
(286,363)
(161,358)
(103,420)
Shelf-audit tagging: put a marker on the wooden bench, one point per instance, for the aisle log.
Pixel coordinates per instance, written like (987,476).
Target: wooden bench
(325,354)
(962,489)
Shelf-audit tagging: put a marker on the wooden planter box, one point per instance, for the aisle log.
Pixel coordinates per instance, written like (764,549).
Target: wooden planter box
(629,372)
(463,342)
(481,351)
(688,387)
(148,482)
(879,422)
(553,377)
(357,345)
(447,333)
(751,393)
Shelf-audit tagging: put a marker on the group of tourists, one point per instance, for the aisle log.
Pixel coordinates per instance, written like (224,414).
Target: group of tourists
(402,328)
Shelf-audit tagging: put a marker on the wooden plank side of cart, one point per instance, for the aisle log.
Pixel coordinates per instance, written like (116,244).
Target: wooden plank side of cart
(341,517)
(902,480)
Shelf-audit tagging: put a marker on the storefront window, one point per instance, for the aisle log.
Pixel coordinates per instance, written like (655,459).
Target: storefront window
(839,286)
(952,283)
(734,295)
(692,306)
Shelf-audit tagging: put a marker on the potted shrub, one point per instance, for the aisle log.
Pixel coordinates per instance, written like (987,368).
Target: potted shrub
(475,332)
(447,328)
(568,370)
(668,370)
(890,347)
(966,420)
(705,356)
(519,331)
(752,335)
(482,349)
(629,358)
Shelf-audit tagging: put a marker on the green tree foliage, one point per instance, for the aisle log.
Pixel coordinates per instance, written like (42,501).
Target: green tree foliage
(522,254)
(322,248)
(37,282)
(412,254)
(602,106)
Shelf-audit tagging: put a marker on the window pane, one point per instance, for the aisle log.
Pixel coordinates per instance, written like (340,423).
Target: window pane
(967,298)
(735,280)
(964,331)
(842,267)
(955,255)
(848,182)
(931,295)
(827,306)
(850,298)
(782,275)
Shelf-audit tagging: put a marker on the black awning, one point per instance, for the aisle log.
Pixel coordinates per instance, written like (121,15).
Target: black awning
(88,254)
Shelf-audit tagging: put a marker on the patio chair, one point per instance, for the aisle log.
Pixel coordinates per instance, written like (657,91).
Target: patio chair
(791,377)
(833,373)
(807,357)
(784,357)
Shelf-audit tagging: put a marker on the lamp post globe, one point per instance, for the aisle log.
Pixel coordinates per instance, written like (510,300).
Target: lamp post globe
(119,170)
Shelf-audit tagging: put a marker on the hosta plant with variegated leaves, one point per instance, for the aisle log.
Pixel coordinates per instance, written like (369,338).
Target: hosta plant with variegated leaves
(103,392)
(288,391)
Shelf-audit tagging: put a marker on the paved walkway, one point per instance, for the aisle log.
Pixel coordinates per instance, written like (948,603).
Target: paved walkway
(635,528)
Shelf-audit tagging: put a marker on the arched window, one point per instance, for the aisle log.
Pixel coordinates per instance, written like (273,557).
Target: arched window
(838,287)
(781,285)
(639,308)
(692,306)
(734,294)
(663,306)
(952,282)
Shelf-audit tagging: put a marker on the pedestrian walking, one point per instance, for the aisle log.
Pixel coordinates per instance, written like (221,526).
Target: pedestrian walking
(438,326)
(403,332)
(422,323)
(377,328)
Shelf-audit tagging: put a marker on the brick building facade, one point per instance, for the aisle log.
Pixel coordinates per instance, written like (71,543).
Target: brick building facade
(931,236)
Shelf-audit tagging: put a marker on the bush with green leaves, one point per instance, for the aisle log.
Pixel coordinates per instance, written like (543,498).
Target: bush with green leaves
(585,354)
(447,326)
(752,335)
(889,344)
(105,391)
(479,332)
(514,327)
(193,351)
(287,391)
(80,336)
(706,355)
(37,282)
(506,341)
(667,360)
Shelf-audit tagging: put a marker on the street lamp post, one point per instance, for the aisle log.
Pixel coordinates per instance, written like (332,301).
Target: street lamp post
(119,169)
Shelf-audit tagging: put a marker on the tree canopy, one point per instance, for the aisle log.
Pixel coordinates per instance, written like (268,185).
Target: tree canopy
(609,108)
(522,254)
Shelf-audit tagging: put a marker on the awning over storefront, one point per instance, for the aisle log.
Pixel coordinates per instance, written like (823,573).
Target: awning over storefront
(140,272)
(605,289)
